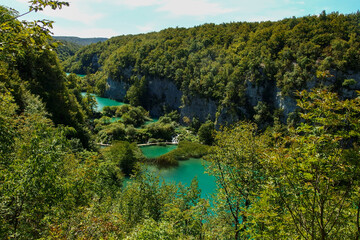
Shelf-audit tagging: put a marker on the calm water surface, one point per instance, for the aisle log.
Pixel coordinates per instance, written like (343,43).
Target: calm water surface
(80,75)
(156,151)
(185,172)
(152,121)
(102,102)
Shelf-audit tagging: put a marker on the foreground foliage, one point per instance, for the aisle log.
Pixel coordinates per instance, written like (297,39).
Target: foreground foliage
(299,184)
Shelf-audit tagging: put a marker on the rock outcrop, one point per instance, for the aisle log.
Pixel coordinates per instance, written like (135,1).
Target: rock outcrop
(163,95)
(116,89)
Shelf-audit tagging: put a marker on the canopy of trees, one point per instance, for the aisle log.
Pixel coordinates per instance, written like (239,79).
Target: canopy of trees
(287,182)
(217,61)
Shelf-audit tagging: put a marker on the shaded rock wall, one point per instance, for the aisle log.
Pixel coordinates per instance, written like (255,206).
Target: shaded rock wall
(163,96)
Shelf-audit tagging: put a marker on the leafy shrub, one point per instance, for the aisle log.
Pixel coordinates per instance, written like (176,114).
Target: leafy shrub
(184,151)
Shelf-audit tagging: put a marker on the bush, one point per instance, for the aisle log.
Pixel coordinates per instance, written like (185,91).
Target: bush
(184,151)
(206,132)
(114,131)
(349,82)
(135,116)
(124,155)
(109,111)
(161,130)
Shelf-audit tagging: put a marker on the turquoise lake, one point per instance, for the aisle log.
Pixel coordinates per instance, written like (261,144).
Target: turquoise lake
(156,151)
(152,121)
(80,75)
(102,102)
(185,172)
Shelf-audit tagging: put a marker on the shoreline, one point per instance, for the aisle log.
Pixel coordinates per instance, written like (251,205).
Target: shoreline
(142,144)
(157,143)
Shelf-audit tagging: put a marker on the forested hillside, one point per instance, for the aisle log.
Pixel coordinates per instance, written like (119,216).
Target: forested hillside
(31,71)
(68,46)
(233,63)
(80,41)
(66,49)
(288,181)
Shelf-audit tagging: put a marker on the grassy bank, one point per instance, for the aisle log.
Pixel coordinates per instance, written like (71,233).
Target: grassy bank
(184,151)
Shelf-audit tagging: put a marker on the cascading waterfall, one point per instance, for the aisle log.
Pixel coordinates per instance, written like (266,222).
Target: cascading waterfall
(175,140)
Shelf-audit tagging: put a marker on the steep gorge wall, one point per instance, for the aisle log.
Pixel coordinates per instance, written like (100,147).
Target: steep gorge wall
(116,89)
(163,95)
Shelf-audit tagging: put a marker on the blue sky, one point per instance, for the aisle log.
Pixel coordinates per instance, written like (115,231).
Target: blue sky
(107,18)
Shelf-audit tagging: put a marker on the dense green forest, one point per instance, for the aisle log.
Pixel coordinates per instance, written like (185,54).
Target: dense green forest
(66,49)
(80,41)
(293,181)
(68,46)
(223,62)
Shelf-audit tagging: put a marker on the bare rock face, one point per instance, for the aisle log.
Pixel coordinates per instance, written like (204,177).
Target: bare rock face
(285,103)
(350,90)
(163,96)
(201,108)
(95,61)
(116,89)
(254,93)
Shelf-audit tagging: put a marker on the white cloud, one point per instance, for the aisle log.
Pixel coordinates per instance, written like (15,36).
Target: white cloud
(79,11)
(197,8)
(139,3)
(84,32)
(76,12)
(150,27)
(177,8)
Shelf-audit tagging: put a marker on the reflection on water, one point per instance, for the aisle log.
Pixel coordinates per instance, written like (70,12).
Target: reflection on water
(102,102)
(185,172)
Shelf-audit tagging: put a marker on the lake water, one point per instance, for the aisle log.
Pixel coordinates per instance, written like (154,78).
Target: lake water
(156,151)
(80,75)
(102,102)
(152,121)
(185,172)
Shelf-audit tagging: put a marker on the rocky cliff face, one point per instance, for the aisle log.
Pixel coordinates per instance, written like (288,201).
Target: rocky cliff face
(285,103)
(163,95)
(201,108)
(270,94)
(350,90)
(115,89)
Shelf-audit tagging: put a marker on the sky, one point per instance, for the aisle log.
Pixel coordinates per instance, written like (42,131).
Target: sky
(107,18)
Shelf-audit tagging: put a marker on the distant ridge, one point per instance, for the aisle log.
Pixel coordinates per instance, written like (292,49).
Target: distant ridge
(80,41)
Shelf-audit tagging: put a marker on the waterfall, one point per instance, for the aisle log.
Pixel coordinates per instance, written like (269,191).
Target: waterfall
(175,140)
